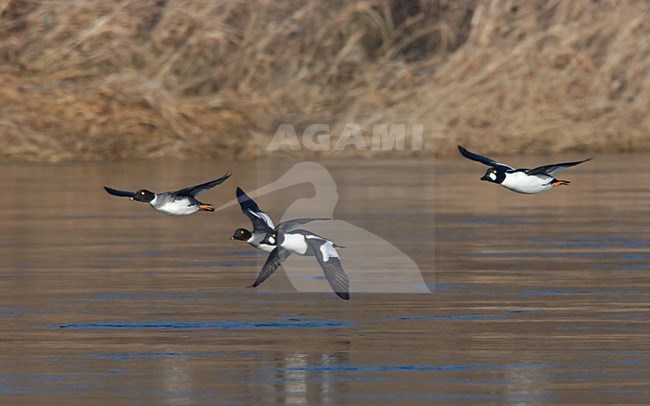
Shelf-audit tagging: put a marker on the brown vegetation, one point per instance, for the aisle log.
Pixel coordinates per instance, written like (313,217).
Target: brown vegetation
(85,79)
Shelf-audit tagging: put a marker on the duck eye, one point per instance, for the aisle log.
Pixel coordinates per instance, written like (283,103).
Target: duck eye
(241,231)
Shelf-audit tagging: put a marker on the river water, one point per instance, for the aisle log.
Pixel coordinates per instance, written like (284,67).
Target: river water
(534,299)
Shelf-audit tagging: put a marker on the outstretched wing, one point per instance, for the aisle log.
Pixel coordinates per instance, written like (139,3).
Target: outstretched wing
(275,259)
(198,189)
(554,168)
(261,221)
(329,260)
(294,224)
(121,193)
(482,159)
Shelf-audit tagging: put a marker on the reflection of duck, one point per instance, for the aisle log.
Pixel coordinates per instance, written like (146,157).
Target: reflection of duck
(311,378)
(175,371)
(372,263)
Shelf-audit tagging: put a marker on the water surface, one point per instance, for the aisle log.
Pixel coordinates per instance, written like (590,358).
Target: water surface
(536,299)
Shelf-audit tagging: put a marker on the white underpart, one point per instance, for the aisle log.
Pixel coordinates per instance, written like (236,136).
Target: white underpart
(327,250)
(295,243)
(255,242)
(528,184)
(265,248)
(175,208)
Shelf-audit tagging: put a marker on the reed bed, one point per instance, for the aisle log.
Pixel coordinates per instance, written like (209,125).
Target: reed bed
(199,79)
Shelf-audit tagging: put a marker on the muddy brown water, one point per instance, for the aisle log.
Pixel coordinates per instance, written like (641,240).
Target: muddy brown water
(535,299)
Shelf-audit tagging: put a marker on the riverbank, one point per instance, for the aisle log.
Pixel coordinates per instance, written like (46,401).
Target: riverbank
(85,80)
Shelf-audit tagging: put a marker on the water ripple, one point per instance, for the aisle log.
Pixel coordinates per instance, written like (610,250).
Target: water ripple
(206,325)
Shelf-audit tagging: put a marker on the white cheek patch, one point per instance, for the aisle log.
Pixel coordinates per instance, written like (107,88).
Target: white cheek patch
(493,176)
(272,240)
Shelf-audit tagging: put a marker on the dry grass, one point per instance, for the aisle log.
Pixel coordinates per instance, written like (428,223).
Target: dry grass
(83,79)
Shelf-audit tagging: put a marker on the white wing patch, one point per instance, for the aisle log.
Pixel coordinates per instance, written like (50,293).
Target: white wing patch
(264,217)
(327,251)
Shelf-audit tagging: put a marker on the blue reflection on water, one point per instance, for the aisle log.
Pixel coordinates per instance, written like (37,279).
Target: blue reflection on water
(205,325)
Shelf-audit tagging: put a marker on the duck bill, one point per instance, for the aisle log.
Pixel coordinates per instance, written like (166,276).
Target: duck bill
(232,238)
(485,177)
